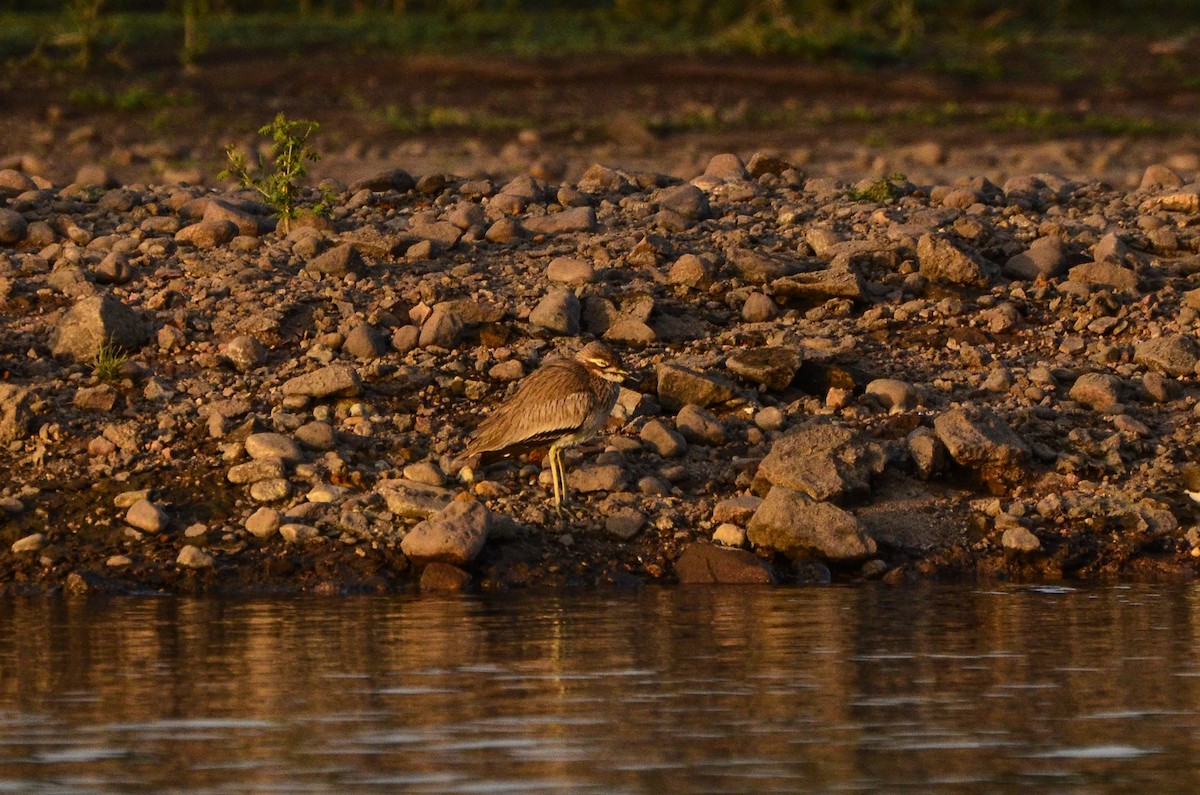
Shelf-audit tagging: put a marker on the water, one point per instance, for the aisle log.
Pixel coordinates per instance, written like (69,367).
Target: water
(843,690)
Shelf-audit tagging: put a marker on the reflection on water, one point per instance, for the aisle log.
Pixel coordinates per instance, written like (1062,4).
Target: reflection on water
(689,690)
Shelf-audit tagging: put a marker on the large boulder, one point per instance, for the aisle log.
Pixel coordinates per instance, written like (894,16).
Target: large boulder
(797,526)
(823,460)
(455,535)
(979,439)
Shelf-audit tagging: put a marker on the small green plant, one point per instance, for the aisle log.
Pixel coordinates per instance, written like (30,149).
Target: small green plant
(880,191)
(108,361)
(278,182)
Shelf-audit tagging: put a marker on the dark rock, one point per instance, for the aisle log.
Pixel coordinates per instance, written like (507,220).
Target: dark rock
(337,261)
(1046,257)
(686,200)
(95,322)
(438,576)
(705,564)
(679,386)
(396,179)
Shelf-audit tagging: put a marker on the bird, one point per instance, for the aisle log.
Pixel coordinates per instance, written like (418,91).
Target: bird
(565,402)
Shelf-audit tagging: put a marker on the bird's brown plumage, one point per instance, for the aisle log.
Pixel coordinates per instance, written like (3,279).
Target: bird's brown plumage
(564,403)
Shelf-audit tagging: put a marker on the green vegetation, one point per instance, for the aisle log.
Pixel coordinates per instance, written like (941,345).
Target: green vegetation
(131,99)
(278,182)
(881,191)
(108,361)
(430,118)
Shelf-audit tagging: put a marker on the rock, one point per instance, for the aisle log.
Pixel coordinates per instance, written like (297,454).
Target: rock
(207,234)
(245,353)
(1046,257)
(660,439)
(944,262)
(736,509)
(12,226)
(14,183)
(441,234)
(263,523)
(270,490)
(791,523)
(729,535)
(558,311)
(678,386)
(570,271)
(896,396)
(440,329)
(573,219)
(726,167)
(1173,354)
(630,331)
(15,413)
(317,436)
(146,516)
(1019,539)
(254,471)
(101,397)
(596,477)
(1111,248)
(365,342)
(246,223)
(337,261)
(1099,391)
(393,179)
(273,445)
(687,200)
(823,460)
(774,368)
(1104,274)
(113,269)
(766,163)
(759,308)
(456,535)
(325,493)
(980,439)
(95,322)
(412,499)
(625,523)
(30,543)
(192,557)
(839,280)
(335,380)
(704,564)
(71,281)
(758,268)
(425,472)
(297,532)
(504,231)
(1158,176)
(688,270)
(698,425)
(927,452)
(438,576)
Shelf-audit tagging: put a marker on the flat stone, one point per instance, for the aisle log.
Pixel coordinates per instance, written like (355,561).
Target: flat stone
(773,367)
(793,524)
(325,493)
(597,477)
(317,435)
(297,532)
(270,490)
(273,445)
(426,473)
(678,386)
(335,380)
(146,516)
(94,322)
(839,280)
(254,471)
(263,523)
(442,234)
(737,510)
(1173,354)
(823,460)
(455,535)
(413,499)
(630,331)
(705,564)
(127,498)
(30,543)
(207,234)
(193,557)
(699,426)
(101,397)
(1104,274)
(573,219)
(569,270)
(758,268)
(393,179)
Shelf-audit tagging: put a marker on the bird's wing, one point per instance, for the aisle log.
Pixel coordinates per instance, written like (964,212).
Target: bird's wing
(532,416)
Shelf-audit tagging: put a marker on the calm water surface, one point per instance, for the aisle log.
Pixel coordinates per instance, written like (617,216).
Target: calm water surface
(847,690)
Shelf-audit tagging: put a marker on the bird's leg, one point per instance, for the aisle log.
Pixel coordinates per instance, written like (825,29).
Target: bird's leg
(562,476)
(552,455)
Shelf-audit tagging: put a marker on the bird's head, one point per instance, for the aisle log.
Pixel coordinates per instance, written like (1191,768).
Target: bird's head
(601,360)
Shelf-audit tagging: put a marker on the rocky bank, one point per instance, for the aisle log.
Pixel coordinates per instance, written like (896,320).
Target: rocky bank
(883,380)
